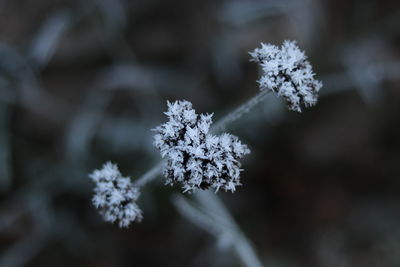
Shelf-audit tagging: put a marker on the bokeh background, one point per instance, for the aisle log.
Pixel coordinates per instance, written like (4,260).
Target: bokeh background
(83,82)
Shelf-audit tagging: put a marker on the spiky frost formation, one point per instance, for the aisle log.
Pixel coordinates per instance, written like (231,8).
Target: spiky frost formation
(196,158)
(115,196)
(286,71)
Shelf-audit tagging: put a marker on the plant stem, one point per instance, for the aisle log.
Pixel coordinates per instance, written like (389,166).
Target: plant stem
(211,215)
(150,174)
(239,111)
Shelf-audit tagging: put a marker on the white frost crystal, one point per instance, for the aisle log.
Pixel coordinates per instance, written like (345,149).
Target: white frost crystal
(286,71)
(115,196)
(195,158)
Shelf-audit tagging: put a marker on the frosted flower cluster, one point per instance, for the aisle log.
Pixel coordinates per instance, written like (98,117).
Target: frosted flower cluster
(195,158)
(115,196)
(286,71)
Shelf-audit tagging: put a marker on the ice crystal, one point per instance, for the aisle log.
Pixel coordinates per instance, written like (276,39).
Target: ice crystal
(286,71)
(195,158)
(115,196)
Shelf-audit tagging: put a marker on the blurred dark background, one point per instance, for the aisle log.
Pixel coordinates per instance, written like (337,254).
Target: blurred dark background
(83,82)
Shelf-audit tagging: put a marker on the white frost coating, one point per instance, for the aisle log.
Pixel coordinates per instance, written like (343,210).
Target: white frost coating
(115,196)
(286,71)
(195,158)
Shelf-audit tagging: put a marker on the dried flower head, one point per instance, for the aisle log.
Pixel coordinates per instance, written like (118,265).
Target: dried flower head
(195,158)
(286,71)
(115,196)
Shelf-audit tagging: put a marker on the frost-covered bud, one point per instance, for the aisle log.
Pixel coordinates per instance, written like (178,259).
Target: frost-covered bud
(115,196)
(286,71)
(195,158)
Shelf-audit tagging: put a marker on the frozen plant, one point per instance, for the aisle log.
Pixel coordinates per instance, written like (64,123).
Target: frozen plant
(195,158)
(287,72)
(115,196)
